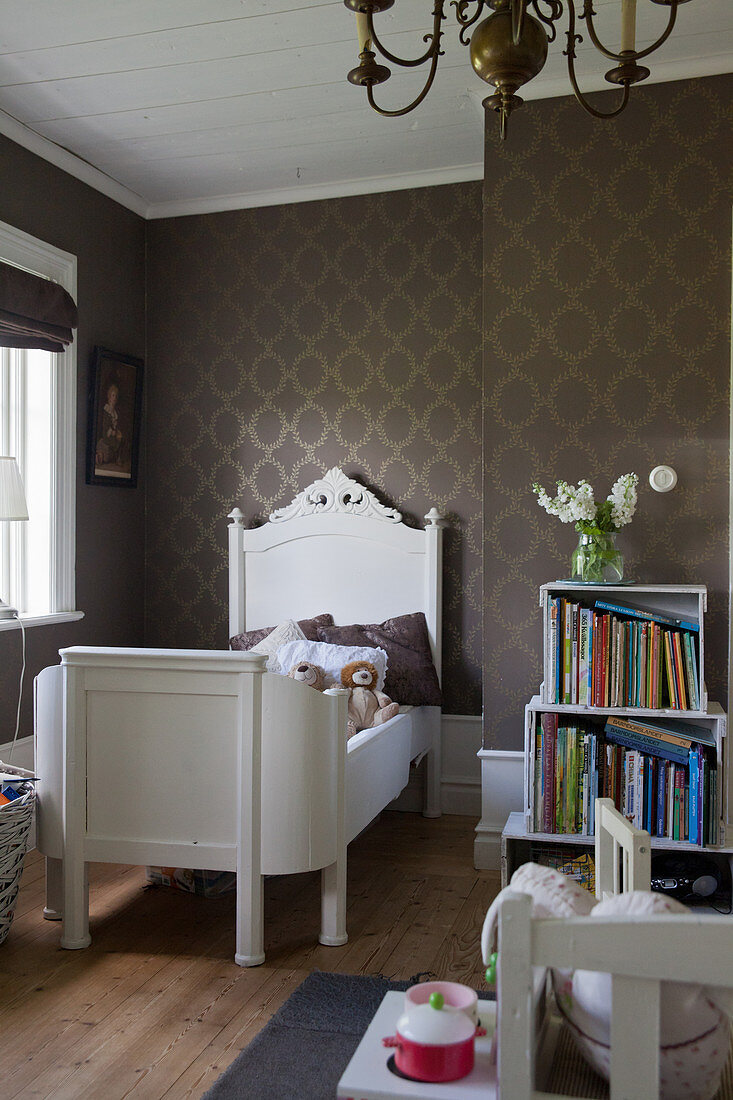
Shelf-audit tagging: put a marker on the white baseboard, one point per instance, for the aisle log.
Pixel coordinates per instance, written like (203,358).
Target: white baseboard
(460,776)
(502,792)
(23,754)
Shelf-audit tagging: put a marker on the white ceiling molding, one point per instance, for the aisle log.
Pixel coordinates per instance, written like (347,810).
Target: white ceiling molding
(72,164)
(314,193)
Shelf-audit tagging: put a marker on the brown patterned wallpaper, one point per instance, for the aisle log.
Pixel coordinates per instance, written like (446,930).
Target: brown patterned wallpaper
(287,340)
(109,243)
(607,302)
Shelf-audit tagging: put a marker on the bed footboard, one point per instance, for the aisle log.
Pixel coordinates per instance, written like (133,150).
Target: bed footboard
(156,757)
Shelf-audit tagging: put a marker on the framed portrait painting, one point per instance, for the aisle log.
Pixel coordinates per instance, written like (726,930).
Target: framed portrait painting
(115,410)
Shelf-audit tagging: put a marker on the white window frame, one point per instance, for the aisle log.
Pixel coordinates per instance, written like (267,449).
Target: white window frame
(44,259)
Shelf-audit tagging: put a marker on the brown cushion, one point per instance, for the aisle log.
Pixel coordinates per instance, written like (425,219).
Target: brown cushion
(253,637)
(411,676)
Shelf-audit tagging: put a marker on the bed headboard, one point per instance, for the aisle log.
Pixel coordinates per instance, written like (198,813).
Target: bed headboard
(335,548)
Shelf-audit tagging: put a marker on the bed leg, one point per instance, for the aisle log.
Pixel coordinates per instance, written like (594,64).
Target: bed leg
(432,774)
(333,904)
(250,937)
(54,889)
(75,918)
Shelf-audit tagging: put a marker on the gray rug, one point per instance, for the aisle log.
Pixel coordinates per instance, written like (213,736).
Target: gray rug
(305,1047)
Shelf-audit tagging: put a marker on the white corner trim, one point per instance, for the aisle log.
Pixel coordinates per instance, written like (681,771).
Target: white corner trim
(432,177)
(68,162)
(502,792)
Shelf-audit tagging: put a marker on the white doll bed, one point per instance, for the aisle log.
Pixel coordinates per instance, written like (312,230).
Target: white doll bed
(153,756)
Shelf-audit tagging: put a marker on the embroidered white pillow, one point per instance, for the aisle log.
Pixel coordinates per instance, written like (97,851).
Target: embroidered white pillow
(331,658)
(287,631)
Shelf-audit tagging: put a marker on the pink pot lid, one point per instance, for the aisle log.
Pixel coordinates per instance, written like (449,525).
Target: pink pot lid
(434,1027)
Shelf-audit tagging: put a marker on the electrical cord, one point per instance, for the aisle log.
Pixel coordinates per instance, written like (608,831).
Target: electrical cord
(20,689)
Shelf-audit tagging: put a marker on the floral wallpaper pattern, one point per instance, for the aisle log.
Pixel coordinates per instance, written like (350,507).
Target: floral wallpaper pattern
(607,282)
(287,340)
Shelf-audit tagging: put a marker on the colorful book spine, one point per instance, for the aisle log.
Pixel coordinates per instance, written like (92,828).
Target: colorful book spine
(679,670)
(574,662)
(558,651)
(552,652)
(559,779)
(694,823)
(584,631)
(678,731)
(661,792)
(651,729)
(549,741)
(567,656)
(643,666)
(693,691)
(669,668)
(638,613)
(636,741)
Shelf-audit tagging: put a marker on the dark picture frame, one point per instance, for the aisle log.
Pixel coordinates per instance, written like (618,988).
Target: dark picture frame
(114,416)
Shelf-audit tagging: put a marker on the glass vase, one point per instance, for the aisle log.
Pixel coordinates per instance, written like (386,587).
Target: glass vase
(596,559)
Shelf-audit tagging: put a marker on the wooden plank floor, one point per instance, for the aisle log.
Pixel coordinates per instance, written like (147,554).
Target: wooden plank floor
(156,1007)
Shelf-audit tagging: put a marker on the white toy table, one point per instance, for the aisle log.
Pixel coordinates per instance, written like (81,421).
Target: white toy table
(367,1076)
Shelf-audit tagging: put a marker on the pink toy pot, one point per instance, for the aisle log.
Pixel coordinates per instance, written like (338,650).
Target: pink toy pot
(434,1042)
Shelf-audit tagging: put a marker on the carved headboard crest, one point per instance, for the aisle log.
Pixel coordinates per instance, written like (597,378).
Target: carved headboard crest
(335,492)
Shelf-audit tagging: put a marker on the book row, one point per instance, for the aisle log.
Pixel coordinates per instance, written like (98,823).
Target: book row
(669,790)
(599,658)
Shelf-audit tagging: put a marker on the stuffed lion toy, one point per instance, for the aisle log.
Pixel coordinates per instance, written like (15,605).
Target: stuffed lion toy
(367,707)
(310,675)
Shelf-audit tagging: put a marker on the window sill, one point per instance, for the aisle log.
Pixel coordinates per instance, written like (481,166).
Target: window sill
(42,620)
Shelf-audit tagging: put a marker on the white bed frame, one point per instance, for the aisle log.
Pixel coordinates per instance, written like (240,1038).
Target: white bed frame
(153,756)
(336,548)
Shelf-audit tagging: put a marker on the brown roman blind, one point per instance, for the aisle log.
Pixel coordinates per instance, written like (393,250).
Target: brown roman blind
(34,312)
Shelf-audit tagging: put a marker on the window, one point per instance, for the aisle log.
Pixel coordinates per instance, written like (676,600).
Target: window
(38,427)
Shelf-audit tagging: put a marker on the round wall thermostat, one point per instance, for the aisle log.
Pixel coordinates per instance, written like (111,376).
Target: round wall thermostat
(663,478)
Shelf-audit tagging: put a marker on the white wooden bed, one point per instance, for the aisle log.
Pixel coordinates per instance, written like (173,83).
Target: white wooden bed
(155,756)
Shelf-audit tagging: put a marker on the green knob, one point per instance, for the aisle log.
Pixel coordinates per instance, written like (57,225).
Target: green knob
(491,969)
(436,1000)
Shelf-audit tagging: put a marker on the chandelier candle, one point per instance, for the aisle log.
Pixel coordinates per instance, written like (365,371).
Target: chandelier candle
(362,30)
(628,25)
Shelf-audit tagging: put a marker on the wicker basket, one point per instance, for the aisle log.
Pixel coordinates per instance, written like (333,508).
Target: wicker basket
(15,823)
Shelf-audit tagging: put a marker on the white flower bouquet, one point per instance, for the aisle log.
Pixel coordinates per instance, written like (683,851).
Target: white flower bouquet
(596,558)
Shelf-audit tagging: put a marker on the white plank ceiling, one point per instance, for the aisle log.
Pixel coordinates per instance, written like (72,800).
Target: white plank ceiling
(185,106)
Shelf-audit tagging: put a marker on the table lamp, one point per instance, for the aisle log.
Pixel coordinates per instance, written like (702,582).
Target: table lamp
(12,507)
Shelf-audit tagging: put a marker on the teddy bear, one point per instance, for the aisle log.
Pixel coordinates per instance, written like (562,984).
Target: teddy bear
(367,707)
(311,675)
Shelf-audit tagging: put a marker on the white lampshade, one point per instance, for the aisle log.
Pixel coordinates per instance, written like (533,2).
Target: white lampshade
(12,497)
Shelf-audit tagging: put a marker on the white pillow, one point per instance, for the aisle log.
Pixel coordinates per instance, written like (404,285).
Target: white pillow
(287,631)
(331,658)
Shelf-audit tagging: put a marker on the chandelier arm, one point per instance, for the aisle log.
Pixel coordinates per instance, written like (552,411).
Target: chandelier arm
(665,35)
(465,21)
(584,103)
(572,38)
(411,106)
(434,39)
(588,14)
(549,18)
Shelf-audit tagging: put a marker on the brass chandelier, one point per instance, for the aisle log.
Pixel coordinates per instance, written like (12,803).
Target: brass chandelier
(508,48)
